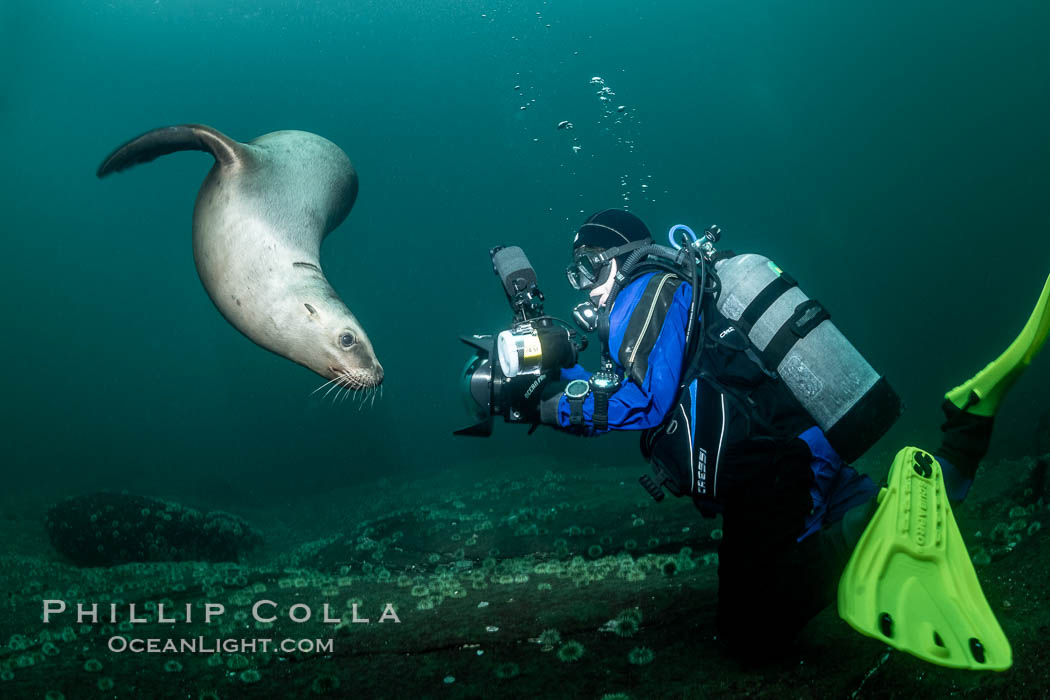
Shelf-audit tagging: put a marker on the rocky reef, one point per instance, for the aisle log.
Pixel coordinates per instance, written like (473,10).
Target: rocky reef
(103,529)
(568,583)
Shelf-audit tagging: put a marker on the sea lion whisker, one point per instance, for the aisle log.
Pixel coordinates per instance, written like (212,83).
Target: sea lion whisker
(347,382)
(323,385)
(330,390)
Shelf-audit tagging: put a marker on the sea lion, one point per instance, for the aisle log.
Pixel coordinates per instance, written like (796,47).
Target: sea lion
(258,223)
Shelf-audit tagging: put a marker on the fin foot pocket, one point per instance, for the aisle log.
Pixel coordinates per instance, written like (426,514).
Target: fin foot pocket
(910,581)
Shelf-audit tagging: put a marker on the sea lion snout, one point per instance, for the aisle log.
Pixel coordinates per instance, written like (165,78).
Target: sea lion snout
(374,373)
(359,377)
(350,358)
(359,364)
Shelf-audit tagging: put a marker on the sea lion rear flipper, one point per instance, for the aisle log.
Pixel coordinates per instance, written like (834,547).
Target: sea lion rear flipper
(159,142)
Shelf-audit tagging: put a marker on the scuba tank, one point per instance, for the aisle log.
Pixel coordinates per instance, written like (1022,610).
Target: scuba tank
(794,336)
(765,362)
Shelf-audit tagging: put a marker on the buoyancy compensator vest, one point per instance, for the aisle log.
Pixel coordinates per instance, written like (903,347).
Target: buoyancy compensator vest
(765,365)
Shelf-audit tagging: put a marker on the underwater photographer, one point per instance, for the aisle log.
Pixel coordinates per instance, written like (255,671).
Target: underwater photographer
(752,404)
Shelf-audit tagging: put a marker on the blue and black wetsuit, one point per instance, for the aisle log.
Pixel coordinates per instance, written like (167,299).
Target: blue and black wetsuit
(783,498)
(647,338)
(654,350)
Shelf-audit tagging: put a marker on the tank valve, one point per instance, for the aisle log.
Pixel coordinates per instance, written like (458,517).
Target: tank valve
(706,245)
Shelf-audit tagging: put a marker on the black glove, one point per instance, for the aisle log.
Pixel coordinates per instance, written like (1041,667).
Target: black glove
(549,402)
(525,407)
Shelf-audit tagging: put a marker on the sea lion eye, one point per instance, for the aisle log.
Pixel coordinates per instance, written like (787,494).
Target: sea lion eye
(347,339)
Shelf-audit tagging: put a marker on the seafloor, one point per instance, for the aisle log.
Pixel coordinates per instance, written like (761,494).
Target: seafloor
(568,583)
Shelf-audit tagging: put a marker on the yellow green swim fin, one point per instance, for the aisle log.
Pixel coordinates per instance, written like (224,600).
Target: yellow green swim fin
(981,394)
(910,582)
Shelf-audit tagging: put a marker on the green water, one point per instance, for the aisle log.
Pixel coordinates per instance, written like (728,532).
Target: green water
(891,156)
(893,159)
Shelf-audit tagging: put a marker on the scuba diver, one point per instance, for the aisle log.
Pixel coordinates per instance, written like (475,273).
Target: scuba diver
(752,404)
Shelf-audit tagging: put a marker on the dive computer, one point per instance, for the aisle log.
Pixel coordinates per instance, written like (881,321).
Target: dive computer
(576,391)
(604,383)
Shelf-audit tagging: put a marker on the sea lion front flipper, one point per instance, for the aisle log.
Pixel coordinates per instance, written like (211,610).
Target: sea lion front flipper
(169,139)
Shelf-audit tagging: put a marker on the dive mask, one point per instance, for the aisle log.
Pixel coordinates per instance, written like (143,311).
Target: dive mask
(588,263)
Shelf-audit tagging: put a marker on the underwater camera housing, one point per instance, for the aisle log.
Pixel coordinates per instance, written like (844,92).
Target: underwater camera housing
(510,366)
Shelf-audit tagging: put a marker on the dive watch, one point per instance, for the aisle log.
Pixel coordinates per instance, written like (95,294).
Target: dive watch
(576,391)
